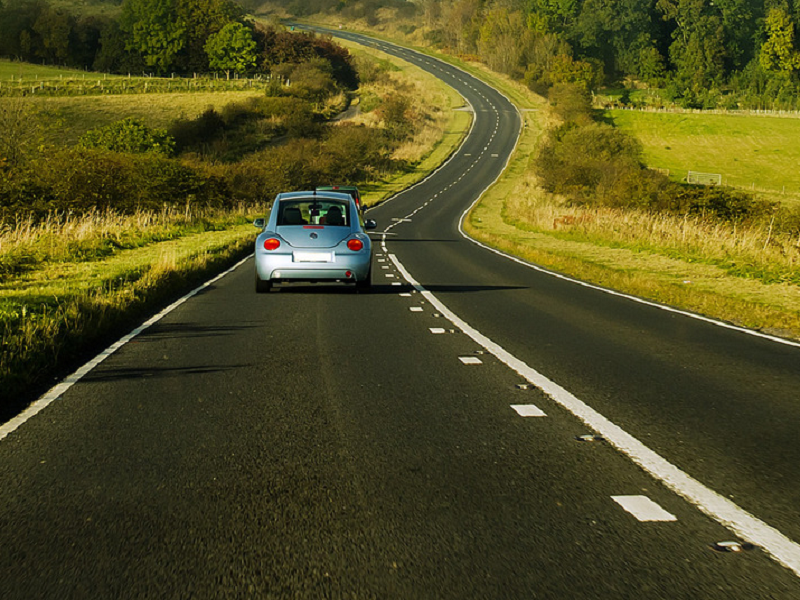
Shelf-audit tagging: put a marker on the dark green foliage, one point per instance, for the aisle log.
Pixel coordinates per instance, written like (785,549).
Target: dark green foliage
(278,47)
(80,180)
(706,53)
(129,135)
(194,134)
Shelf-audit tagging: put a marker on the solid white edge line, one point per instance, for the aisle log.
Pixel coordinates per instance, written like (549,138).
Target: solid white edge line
(60,388)
(611,292)
(780,547)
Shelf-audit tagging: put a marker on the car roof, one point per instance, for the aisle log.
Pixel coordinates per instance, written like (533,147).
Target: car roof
(337,187)
(314,194)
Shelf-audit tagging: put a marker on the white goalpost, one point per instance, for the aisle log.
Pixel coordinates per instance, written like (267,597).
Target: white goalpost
(704,178)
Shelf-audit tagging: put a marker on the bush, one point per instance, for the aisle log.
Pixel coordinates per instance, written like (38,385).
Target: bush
(585,163)
(395,112)
(129,135)
(571,103)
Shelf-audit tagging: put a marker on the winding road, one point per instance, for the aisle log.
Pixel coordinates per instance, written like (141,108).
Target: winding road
(473,428)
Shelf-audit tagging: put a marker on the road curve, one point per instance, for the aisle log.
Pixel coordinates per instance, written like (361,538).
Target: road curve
(318,443)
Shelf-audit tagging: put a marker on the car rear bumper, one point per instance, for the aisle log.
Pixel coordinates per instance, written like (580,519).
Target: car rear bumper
(277,268)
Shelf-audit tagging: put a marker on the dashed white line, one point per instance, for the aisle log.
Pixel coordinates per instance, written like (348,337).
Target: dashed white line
(470,360)
(528,410)
(783,549)
(643,508)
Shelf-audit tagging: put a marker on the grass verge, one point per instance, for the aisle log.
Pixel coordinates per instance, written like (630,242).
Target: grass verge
(50,317)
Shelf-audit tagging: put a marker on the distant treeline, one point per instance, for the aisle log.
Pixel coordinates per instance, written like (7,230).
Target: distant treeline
(726,53)
(161,37)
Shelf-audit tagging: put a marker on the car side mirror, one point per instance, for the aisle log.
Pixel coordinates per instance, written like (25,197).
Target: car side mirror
(370,224)
(260,223)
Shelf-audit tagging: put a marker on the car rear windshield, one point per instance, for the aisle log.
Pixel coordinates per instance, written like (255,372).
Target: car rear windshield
(313,211)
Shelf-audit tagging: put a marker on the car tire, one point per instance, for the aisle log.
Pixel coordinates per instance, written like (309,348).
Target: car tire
(262,287)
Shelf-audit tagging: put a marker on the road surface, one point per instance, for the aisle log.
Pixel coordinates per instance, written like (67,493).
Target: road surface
(319,443)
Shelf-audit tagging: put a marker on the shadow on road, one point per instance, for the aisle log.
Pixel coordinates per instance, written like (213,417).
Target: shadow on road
(378,289)
(107,375)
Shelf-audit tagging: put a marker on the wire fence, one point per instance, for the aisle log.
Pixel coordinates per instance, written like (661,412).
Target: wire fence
(791,114)
(97,84)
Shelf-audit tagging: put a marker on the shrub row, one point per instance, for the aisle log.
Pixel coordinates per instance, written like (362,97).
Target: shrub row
(591,163)
(78,180)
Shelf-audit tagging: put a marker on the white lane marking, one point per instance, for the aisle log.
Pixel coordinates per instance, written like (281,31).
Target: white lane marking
(415,308)
(470,360)
(61,388)
(389,275)
(780,547)
(436,330)
(405,295)
(528,410)
(643,508)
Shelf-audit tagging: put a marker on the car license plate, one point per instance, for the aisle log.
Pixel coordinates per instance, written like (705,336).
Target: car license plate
(324,257)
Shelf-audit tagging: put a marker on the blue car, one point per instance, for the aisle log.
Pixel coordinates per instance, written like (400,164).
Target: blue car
(313,236)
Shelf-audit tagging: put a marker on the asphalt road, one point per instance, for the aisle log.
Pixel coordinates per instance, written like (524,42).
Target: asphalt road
(319,443)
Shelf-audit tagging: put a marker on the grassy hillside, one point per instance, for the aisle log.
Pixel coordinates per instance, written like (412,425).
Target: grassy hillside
(15,71)
(75,115)
(751,152)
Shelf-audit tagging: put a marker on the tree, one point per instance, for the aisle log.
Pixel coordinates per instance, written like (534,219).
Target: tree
(545,16)
(154,31)
(203,18)
(778,52)
(232,49)
(16,29)
(504,39)
(698,48)
(53,27)
(616,32)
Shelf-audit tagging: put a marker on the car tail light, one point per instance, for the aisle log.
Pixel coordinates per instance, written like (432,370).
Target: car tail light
(355,245)
(272,244)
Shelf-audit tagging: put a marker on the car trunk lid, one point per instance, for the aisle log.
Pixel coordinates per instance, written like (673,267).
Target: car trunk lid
(313,236)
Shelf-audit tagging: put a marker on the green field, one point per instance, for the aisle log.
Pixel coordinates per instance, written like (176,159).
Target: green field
(752,152)
(14,71)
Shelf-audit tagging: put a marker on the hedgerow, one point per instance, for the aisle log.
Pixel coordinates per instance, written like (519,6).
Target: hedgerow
(591,163)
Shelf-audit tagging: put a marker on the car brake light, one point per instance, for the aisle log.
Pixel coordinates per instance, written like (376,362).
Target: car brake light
(355,245)
(272,244)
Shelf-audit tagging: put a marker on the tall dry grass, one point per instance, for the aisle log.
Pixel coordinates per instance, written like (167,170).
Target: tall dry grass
(753,250)
(65,237)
